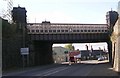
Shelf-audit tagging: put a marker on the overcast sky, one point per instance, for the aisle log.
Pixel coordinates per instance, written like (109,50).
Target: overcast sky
(67,11)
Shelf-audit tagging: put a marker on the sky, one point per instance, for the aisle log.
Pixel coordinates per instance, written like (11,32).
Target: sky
(68,11)
(82,46)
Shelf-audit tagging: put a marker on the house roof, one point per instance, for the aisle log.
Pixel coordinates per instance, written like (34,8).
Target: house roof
(74,53)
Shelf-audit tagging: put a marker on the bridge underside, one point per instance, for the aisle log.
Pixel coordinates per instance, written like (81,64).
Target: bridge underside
(42,53)
(43,44)
(73,38)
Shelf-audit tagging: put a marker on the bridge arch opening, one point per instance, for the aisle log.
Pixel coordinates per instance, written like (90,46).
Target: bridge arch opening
(45,35)
(85,52)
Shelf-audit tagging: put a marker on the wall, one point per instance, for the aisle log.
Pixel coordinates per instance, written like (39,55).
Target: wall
(59,55)
(116,46)
(42,53)
(0,46)
(11,44)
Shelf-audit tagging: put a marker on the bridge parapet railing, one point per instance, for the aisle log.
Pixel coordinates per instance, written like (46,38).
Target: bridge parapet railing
(39,28)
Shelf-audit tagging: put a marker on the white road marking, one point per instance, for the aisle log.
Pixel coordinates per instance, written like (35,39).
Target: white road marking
(56,71)
(52,71)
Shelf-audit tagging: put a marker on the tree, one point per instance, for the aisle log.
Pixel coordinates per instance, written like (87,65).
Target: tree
(69,46)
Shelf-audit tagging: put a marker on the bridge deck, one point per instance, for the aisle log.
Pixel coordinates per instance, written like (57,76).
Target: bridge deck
(61,28)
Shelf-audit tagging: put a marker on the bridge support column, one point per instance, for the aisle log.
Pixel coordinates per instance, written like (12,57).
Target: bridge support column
(110,51)
(43,53)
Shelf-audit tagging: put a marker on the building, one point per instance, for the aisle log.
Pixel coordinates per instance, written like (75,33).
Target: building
(72,54)
(98,53)
(111,18)
(115,38)
(19,15)
(118,8)
(85,54)
(116,46)
(92,55)
(5,9)
(59,55)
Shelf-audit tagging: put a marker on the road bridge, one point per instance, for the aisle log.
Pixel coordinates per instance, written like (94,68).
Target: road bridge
(44,35)
(60,32)
(40,37)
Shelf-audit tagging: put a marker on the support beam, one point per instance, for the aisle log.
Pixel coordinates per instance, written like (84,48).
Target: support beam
(110,51)
(43,52)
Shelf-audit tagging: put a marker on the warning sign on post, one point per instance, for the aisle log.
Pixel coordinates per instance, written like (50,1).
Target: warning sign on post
(24,51)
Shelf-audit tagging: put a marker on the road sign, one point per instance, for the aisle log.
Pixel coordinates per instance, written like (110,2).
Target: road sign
(24,51)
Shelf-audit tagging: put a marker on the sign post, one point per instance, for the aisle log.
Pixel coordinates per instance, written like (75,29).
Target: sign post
(25,51)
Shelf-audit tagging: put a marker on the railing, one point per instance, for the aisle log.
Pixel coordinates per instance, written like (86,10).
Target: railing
(59,28)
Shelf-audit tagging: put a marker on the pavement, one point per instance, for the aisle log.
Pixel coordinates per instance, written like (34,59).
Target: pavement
(94,62)
(28,69)
(88,62)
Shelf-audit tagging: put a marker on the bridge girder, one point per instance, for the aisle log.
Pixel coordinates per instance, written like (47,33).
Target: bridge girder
(72,38)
